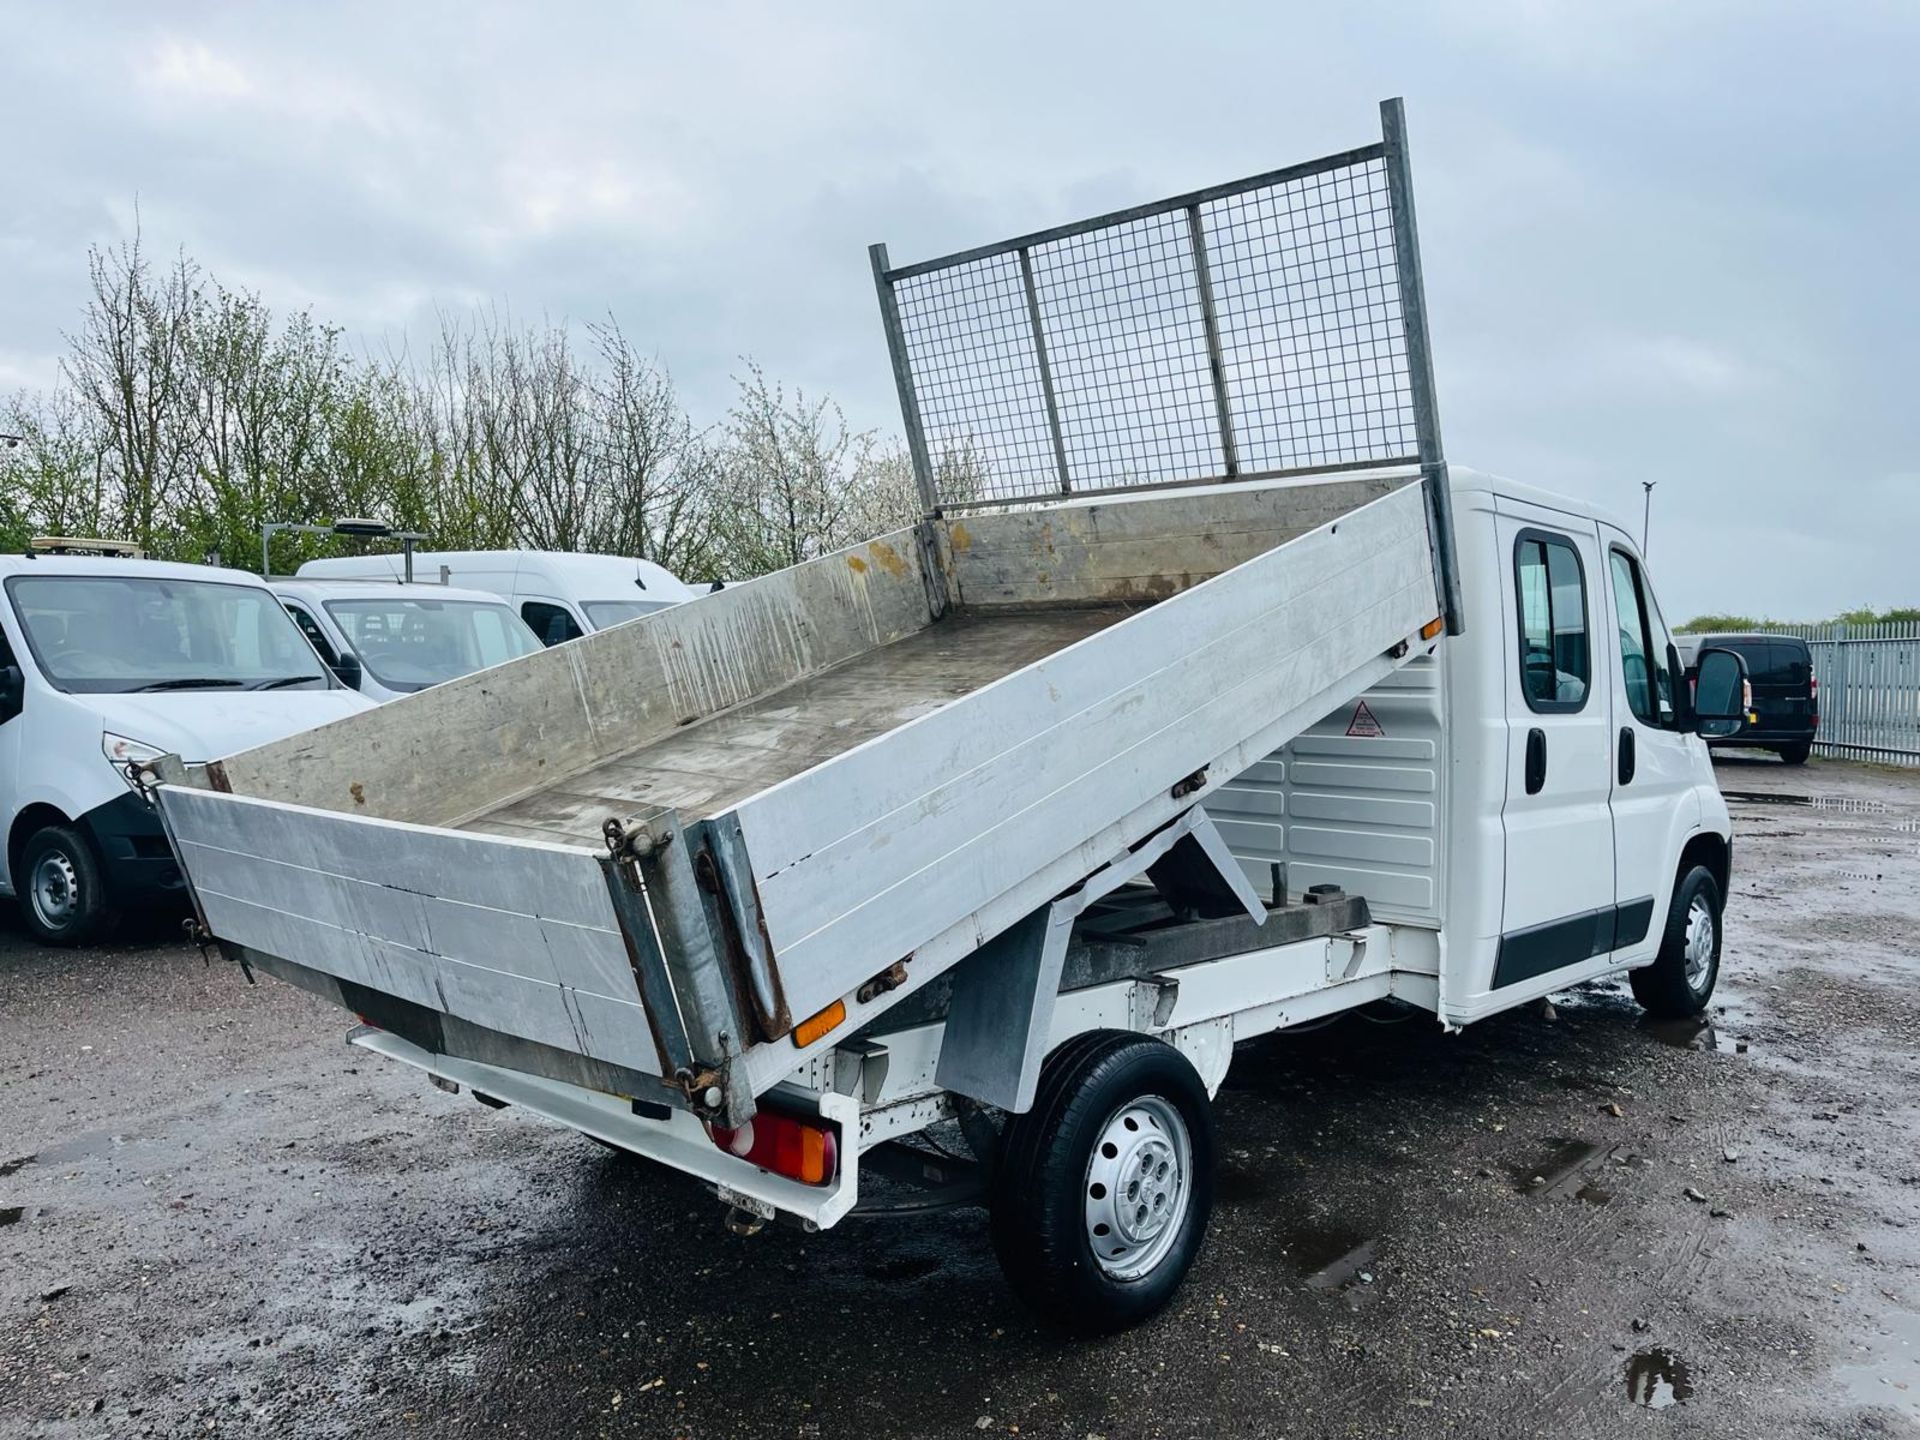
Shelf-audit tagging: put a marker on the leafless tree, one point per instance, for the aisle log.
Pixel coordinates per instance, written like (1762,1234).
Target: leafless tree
(131,364)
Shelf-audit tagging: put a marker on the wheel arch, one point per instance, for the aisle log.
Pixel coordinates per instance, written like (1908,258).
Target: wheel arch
(1711,850)
(36,816)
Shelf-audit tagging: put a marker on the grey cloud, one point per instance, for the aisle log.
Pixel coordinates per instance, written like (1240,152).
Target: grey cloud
(1666,243)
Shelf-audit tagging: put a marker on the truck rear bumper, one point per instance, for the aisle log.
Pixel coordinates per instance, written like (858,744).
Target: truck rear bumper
(680,1141)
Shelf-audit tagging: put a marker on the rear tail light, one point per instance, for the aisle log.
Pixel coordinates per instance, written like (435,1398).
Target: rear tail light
(802,1150)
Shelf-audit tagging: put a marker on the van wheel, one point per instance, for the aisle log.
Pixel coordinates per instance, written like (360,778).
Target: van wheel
(1681,979)
(1796,754)
(1102,1193)
(63,894)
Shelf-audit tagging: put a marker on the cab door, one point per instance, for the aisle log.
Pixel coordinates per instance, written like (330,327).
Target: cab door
(13,724)
(1559,830)
(1657,768)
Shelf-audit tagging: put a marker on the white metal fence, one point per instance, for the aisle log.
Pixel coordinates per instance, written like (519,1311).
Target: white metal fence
(1869,689)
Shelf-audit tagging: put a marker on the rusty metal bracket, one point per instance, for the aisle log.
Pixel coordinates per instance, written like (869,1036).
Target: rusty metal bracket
(891,978)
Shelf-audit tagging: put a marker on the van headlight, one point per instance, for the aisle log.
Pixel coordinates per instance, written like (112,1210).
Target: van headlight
(122,751)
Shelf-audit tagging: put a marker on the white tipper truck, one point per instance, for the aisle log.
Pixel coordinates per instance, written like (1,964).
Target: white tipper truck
(1202,702)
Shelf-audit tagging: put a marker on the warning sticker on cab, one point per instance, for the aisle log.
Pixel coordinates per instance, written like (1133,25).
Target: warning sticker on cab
(1363,723)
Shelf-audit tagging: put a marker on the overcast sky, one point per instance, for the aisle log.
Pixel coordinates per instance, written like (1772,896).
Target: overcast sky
(1662,242)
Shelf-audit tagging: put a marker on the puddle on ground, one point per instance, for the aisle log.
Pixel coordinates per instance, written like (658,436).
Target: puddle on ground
(1891,1378)
(7,1167)
(1851,804)
(1330,1259)
(1690,1032)
(1592,1194)
(19,1214)
(1833,804)
(81,1147)
(1563,1157)
(1657,1379)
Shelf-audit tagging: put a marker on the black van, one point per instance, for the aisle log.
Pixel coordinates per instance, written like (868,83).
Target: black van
(1786,697)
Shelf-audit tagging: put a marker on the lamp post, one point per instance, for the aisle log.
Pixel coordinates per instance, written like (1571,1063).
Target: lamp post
(1646,515)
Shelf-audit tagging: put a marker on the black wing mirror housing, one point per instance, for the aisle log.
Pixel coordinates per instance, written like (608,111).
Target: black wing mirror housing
(1722,695)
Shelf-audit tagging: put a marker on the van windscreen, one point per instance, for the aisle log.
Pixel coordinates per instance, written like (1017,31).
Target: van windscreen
(410,644)
(115,634)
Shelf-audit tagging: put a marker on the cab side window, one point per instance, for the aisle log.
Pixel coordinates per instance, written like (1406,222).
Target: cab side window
(1643,645)
(1555,658)
(310,628)
(550,622)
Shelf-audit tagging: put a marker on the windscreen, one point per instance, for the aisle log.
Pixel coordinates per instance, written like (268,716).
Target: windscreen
(409,644)
(116,634)
(605,613)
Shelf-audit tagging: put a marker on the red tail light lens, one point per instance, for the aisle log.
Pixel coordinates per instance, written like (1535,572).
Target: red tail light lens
(798,1149)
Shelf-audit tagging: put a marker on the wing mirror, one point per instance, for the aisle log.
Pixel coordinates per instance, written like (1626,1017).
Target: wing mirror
(1722,694)
(348,671)
(13,692)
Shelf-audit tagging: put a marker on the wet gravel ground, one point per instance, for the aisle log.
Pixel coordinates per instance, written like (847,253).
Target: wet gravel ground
(216,1218)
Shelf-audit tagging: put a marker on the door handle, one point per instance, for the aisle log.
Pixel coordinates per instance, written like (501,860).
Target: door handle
(1536,761)
(1626,755)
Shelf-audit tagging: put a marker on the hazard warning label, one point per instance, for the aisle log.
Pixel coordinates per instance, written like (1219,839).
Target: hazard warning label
(1363,723)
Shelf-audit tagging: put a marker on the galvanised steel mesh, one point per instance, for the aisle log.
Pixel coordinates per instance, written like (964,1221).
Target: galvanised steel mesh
(1308,297)
(1248,330)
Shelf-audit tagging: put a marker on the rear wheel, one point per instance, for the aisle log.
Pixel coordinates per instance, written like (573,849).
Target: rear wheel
(1795,754)
(1103,1190)
(63,894)
(1681,980)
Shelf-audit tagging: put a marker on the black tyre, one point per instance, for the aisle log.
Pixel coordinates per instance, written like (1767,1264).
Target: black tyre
(1681,980)
(1795,754)
(64,896)
(1102,1193)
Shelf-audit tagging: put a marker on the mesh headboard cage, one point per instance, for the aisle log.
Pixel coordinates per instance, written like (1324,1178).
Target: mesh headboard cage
(1267,327)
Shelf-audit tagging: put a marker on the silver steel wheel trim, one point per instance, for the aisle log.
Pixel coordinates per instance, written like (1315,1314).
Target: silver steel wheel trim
(1699,951)
(55,890)
(1139,1185)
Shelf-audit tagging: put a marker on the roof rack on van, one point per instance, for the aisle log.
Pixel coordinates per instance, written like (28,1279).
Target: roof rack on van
(84,545)
(355,525)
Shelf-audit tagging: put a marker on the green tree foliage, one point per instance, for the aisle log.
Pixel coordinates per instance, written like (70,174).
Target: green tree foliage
(189,415)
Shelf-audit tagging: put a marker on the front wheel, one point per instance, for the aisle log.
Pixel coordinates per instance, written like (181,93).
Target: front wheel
(1796,754)
(1681,979)
(1103,1189)
(64,897)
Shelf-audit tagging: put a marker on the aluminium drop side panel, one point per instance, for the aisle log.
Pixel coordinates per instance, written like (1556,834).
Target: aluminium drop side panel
(458,750)
(514,936)
(965,819)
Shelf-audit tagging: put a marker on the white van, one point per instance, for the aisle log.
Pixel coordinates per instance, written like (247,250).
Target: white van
(561,595)
(109,660)
(386,639)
